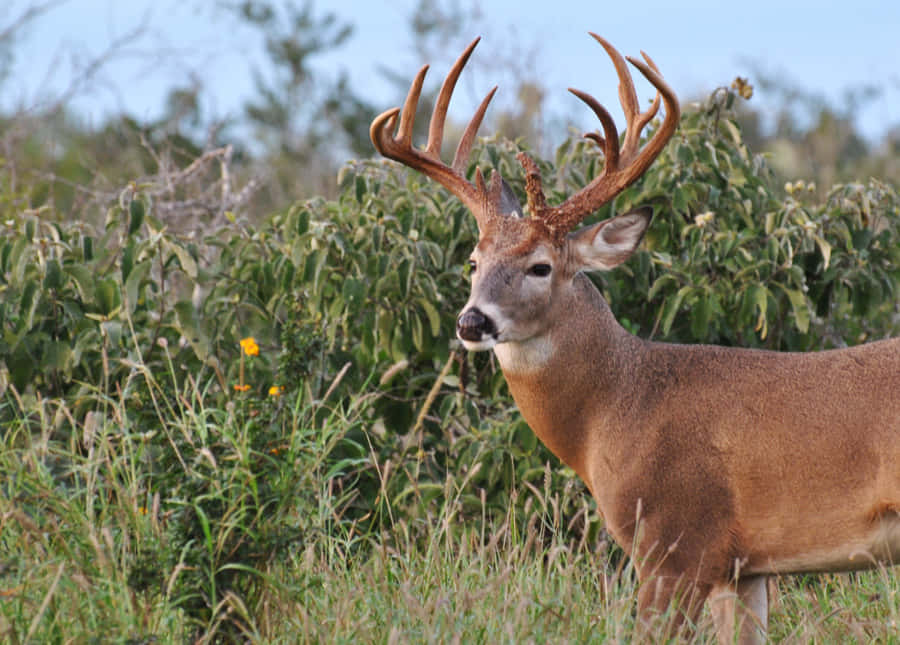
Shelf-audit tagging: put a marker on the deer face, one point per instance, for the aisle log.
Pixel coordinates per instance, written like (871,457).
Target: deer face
(524,267)
(513,271)
(522,274)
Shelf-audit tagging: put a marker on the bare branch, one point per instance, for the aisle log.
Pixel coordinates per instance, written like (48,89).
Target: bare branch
(32,12)
(89,71)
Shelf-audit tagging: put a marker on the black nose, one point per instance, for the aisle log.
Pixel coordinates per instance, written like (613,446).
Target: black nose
(474,325)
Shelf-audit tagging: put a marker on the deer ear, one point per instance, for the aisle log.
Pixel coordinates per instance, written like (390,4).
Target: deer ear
(609,243)
(509,203)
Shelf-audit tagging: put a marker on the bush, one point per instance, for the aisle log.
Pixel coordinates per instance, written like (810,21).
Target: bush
(126,358)
(360,295)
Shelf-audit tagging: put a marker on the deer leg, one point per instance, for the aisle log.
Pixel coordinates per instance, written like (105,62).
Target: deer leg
(741,610)
(664,602)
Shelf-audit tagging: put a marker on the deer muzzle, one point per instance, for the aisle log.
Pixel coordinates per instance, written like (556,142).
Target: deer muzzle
(473,328)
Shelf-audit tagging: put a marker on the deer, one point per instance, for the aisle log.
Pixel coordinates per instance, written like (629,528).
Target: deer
(714,468)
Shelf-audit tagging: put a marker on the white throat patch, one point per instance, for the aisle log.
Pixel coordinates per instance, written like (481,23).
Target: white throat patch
(518,357)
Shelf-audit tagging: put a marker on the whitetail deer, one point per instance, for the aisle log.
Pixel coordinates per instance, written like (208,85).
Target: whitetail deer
(713,467)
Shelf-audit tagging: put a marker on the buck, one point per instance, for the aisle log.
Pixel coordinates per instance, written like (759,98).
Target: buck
(712,467)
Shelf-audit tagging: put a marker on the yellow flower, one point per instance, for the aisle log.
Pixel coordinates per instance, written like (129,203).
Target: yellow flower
(249,346)
(241,388)
(275,390)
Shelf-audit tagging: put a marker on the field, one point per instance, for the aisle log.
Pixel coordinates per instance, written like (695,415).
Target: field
(89,555)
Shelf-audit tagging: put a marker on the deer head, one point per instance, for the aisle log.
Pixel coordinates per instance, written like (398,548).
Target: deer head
(523,265)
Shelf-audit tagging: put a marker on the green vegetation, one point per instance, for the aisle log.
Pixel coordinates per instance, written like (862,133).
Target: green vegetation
(349,474)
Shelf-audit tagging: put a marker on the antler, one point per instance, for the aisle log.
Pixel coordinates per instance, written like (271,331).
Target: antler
(623,165)
(482,201)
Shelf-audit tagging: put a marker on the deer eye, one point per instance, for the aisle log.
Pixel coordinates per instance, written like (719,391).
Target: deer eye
(540,270)
(472,266)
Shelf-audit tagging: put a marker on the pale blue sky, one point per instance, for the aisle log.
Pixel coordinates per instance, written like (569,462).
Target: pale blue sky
(821,46)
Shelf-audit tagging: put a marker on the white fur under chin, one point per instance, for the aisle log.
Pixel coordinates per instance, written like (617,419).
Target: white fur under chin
(524,356)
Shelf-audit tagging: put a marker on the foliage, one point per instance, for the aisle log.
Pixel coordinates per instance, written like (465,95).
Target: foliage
(150,444)
(79,309)
(748,266)
(367,287)
(188,518)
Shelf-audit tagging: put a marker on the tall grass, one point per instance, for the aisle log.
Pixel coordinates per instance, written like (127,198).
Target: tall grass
(236,523)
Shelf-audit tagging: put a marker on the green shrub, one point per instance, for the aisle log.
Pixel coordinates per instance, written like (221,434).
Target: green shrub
(361,293)
(124,385)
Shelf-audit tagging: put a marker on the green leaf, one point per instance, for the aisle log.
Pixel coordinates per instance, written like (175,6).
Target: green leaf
(107,296)
(732,130)
(701,313)
(187,326)
(679,201)
(28,304)
(136,211)
(800,307)
(659,284)
(302,222)
(184,258)
(127,259)
(133,284)
(418,334)
(405,273)
(112,329)
(353,292)
(84,279)
(825,249)
(4,257)
(759,298)
(385,324)
(434,318)
(862,238)
(53,277)
(56,356)
(21,260)
(21,366)
(672,306)
(524,438)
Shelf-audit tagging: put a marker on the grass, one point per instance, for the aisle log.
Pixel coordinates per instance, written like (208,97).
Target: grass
(236,525)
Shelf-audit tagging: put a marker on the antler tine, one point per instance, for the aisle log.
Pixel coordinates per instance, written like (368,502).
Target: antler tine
(627,94)
(609,142)
(623,164)
(439,114)
(408,115)
(673,112)
(464,147)
(631,145)
(478,198)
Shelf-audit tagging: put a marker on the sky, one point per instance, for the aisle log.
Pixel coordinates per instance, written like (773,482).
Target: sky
(823,47)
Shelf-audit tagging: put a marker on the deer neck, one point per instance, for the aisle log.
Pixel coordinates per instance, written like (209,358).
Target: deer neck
(566,382)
